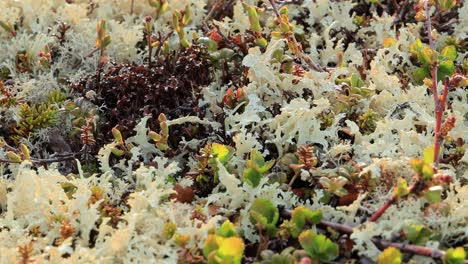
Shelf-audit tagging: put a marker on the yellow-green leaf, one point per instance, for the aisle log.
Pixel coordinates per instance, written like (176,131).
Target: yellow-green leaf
(428,154)
(390,255)
(455,256)
(402,188)
(231,250)
(223,153)
(227,229)
(449,53)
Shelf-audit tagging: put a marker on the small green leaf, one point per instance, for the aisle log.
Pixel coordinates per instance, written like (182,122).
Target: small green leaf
(428,154)
(445,69)
(433,194)
(261,42)
(427,171)
(420,73)
(222,152)
(426,56)
(210,245)
(227,229)
(267,166)
(402,188)
(13,157)
(230,251)
(162,146)
(417,234)
(25,151)
(318,246)
(449,53)
(455,256)
(155,136)
(263,212)
(256,167)
(390,255)
(257,158)
(117,135)
(445,5)
(356,81)
(209,43)
(334,185)
(252,177)
(253,17)
(301,216)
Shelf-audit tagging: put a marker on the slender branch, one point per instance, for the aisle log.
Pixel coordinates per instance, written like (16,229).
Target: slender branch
(391,201)
(345,229)
(46,161)
(132,3)
(382,244)
(414,249)
(439,102)
(428,25)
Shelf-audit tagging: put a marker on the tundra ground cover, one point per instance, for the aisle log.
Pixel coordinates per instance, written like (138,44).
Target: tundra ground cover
(233,131)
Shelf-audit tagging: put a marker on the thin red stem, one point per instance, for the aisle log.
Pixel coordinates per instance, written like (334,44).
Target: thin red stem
(388,203)
(439,112)
(414,249)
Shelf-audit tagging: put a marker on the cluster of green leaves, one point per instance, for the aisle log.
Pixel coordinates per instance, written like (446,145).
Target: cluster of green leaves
(206,161)
(367,122)
(256,167)
(356,85)
(161,138)
(224,246)
(180,19)
(318,246)
(121,148)
(8,27)
(33,118)
(264,215)
(334,185)
(284,257)
(160,6)
(253,12)
(428,58)
(301,216)
(103,39)
(24,154)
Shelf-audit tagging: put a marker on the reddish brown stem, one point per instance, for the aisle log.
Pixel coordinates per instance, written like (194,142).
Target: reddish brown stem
(408,248)
(439,103)
(388,203)
(345,229)
(414,249)
(439,112)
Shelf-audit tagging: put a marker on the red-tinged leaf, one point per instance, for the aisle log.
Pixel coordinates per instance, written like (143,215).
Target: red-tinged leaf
(183,195)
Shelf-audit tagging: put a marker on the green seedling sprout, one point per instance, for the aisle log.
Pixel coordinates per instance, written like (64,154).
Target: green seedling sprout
(252,13)
(180,19)
(8,27)
(256,167)
(161,138)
